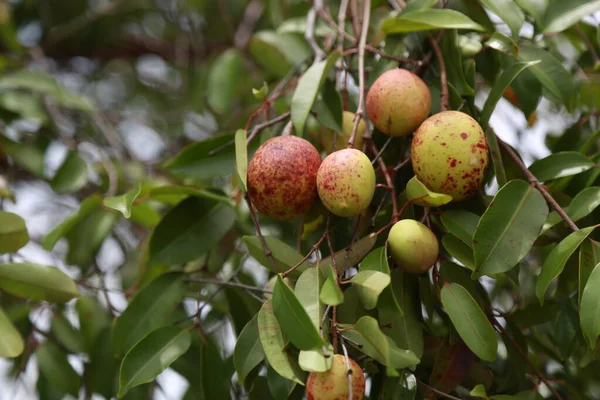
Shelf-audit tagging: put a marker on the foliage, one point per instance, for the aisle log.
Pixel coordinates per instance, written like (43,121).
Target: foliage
(128,247)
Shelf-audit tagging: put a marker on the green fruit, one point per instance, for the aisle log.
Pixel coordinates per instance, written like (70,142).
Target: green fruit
(333,384)
(412,246)
(341,141)
(450,154)
(346,182)
(282,177)
(397,102)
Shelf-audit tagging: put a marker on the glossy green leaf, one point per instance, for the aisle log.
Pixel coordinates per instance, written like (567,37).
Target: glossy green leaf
(454,273)
(151,356)
(459,250)
(457,69)
(589,257)
(563,14)
(319,359)
(13,232)
(509,11)
(295,323)
(307,89)
(72,175)
(590,308)
(419,194)
(536,8)
(462,224)
(470,321)
(85,208)
(37,282)
(93,319)
(369,285)
(189,230)
(307,291)
(331,294)
(124,202)
(241,156)
(66,334)
(53,364)
(377,260)
(561,164)
(284,255)
(556,260)
(88,234)
(226,75)
(418,5)
(582,205)
(428,19)
(349,256)
(11,342)
(329,108)
(248,352)
(277,52)
(502,43)
(29,157)
(298,25)
(148,310)
(508,228)
(271,338)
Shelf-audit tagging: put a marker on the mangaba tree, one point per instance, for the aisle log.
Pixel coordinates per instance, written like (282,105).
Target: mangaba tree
(286,200)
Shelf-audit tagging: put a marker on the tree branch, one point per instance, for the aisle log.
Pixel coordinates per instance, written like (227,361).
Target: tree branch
(443,75)
(228,283)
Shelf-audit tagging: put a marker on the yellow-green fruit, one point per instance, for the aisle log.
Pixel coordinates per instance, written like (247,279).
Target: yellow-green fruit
(333,384)
(449,154)
(397,102)
(346,182)
(413,246)
(341,141)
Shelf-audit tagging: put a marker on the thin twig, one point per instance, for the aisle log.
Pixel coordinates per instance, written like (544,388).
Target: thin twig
(299,263)
(388,180)
(261,238)
(228,283)
(434,390)
(443,75)
(252,14)
(309,35)
(533,180)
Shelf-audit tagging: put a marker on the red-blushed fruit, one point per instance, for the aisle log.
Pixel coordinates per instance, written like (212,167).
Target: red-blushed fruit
(333,384)
(449,154)
(346,182)
(397,102)
(282,177)
(412,246)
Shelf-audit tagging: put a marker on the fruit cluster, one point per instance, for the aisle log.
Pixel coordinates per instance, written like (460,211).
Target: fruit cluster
(449,155)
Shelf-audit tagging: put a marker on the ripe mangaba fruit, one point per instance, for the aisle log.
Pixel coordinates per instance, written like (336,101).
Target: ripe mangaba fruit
(397,102)
(449,154)
(346,182)
(413,246)
(282,177)
(333,384)
(341,141)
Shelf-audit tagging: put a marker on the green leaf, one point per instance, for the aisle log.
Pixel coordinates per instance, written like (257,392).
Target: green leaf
(248,352)
(261,94)
(502,43)
(560,164)
(419,194)
(418,5)
(329,107)
(151,356)
(589,257)
(563,14)
(93,319)
(582,205)
(56,368)
(590,308)
(470,321)
(124,202)
(307,291)
(71,176)
(284,255)
(13,232)
(298,25)
(295,323)
(428,19)
(227,74)
(536,8)
(314,360)
(86,237)
(11,342)
(241,156)
(85,208)
(377,260)
(307,89)
(29,157)
(459,250)
(189,230)
(271,338)
(369,285)
(454,273)
(509,12)
(556,260)
(331,294)
(69,337)
(462,224)
(37,282)
(456,68)
(350,256)
(277,52)
(508,228)
(149,309)
(550,72)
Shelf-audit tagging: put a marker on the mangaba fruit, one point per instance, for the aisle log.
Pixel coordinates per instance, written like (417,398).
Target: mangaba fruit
(397,102)
(449,154)
(412,246)
(346,182)
(333,384)
(341,141)
(282,177)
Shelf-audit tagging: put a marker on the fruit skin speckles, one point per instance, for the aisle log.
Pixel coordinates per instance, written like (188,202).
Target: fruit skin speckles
(346,182)
(458,168)
(412,246)
(333,384)
(282,177)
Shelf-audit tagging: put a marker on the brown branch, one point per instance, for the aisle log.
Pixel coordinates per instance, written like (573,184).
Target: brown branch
(228,283)
(299,263)
(261,238)
(533,180)
(434,390)
(388,180)
(443,75)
